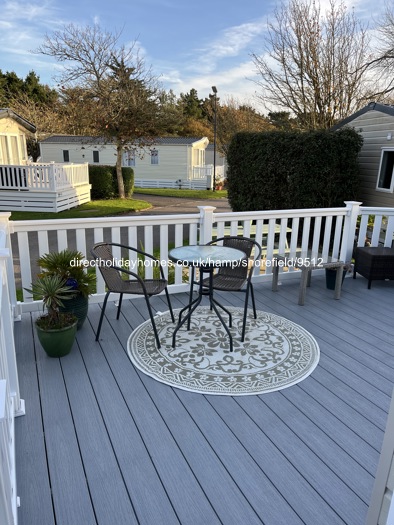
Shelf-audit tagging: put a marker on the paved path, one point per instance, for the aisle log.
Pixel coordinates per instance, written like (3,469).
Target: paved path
(172,205)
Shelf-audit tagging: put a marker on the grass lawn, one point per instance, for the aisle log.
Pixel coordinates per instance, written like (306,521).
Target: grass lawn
(110,208)
(104,208)
(186,194)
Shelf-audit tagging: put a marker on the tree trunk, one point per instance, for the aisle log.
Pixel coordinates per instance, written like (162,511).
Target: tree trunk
(119,153)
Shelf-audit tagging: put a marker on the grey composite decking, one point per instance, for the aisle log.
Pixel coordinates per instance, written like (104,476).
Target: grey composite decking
(101,443)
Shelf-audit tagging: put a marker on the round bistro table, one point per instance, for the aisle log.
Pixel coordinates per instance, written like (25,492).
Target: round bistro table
(206,259)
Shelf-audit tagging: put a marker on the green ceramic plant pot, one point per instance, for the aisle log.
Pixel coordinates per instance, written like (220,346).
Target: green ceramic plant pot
(57,343)
(78,306)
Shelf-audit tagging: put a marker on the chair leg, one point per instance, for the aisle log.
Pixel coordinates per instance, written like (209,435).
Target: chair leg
(245,314)
(153,321)
(119,305)
(249,287)
(169,304)
(253,302)
(102,315)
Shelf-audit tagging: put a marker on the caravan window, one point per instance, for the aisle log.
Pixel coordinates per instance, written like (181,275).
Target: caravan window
(129,158)
(154,156)
(385,177)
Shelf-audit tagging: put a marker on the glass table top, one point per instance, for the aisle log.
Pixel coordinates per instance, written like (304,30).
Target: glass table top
(210,256)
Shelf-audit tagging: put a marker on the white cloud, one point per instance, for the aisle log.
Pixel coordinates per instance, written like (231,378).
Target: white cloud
(231,43)
(15,12)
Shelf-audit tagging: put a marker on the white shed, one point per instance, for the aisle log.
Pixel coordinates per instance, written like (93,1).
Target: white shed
(375,123)
(169,162)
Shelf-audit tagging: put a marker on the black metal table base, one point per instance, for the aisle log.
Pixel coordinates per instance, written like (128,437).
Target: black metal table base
(214,304)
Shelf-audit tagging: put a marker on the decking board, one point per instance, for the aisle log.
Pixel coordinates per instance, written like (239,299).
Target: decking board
(347,504)
(117,438)
(140,476)
(252,480)
(339,431)
(187,497)
(106,485)
(230,504)
(303,498)
(32,471)
(70,491)
(337,459)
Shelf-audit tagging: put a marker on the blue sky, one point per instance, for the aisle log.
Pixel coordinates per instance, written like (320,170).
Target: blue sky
(188,44)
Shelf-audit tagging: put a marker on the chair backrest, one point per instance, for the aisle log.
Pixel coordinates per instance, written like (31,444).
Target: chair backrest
(246,245)
(102,252)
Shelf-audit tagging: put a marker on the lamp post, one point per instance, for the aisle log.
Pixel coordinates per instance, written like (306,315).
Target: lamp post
(214,97)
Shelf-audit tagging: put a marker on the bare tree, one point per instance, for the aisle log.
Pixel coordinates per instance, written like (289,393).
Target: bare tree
(233,117)
(382,64)
(122,93)
(311,63)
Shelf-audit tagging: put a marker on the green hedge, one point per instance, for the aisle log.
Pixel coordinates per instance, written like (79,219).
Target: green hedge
(100,177)
(104,182)
(282,170)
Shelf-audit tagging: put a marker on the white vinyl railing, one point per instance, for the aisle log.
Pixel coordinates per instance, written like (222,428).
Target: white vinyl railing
(43,177)
(376,226)
(202,172)
(10,403)
(324,231)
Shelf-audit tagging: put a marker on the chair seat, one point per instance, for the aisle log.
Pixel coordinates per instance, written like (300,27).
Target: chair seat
(225,283)
(153,287)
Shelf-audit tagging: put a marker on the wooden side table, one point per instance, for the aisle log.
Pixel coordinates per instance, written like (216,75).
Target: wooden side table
(306,264)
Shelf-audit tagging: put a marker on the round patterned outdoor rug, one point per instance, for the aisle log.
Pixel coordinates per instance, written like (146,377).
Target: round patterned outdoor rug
(276,353)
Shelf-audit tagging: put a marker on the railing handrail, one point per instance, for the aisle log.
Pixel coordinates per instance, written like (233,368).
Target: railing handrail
(71,224)
(288,213)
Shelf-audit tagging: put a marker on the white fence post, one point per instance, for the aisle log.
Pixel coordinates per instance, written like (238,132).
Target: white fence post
(6,228)
(52,179)
(206,223)
(349,230)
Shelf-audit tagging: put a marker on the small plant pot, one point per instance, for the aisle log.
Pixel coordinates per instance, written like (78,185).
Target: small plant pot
(331,276)
(57,343)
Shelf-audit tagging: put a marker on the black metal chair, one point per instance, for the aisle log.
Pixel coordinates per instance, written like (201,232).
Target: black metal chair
(234,278)
(112,275)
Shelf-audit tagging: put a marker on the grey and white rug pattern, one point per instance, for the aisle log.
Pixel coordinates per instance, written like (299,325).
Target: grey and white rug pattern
(276,353)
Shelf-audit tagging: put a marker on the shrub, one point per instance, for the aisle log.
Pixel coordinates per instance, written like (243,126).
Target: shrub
(105,184)
(281,170)
(101,179)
